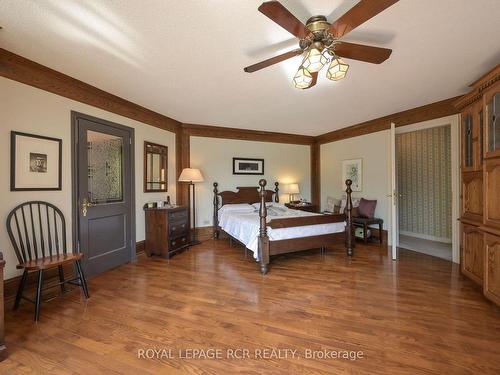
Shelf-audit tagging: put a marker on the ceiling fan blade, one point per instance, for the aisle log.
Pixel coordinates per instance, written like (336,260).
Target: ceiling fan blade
(272,61)
(358,14)
(374,55)
(282,16)
(314,81)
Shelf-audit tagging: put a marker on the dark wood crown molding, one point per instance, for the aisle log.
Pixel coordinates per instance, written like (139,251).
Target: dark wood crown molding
(247,135)
(23,70)
(411,116)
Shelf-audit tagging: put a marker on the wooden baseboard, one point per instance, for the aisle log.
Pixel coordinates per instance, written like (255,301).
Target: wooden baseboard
(140,247)
(51,278)
(204,233)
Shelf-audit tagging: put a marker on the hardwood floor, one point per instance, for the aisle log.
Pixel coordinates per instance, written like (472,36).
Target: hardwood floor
(414,316)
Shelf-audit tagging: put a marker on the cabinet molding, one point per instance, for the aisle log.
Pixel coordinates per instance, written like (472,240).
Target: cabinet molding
(492,268)
(472,263)
(492,193)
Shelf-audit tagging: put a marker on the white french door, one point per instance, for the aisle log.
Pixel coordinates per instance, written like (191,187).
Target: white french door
(393,195)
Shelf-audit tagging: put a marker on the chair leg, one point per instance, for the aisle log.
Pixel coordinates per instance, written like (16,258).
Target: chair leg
(20,289)
(81,276)
(380,233)
(38,299)
(61,278)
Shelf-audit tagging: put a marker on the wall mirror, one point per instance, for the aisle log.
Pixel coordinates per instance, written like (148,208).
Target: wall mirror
(155,168)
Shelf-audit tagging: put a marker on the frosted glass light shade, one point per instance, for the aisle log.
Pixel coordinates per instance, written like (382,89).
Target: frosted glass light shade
(191,175)
(337,69)
(302,79)
(314,60)
(291,189)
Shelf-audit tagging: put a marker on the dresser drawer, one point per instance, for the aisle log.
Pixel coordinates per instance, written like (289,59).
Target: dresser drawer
(178,228)
(177,243)
(178,215)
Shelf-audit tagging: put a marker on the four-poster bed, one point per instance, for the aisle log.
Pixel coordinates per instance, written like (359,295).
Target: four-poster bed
(289,231)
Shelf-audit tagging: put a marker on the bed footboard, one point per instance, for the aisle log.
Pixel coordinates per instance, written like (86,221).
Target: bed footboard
(264,244)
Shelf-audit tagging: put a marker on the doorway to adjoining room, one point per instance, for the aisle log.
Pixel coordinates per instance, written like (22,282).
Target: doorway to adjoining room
(424,186)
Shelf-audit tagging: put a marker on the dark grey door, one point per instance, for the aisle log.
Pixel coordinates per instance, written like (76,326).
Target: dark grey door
(104,193)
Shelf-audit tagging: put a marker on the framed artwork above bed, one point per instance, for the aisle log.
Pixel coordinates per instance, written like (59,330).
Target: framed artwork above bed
(248,166)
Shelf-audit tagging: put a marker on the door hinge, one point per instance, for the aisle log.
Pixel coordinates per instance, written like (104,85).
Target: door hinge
(130,141)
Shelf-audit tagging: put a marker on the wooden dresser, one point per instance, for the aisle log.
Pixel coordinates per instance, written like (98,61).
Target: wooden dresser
(480,183)
(167,230)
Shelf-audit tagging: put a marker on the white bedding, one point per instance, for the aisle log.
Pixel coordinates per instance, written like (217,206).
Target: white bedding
(243,224)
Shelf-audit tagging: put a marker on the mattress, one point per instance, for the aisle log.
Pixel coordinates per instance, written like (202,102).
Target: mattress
(244,226)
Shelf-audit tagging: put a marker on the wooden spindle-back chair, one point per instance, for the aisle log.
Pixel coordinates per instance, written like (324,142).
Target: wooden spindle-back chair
(37,231)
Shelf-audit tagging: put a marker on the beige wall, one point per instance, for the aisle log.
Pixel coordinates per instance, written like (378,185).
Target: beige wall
(283,163)
(27,109)
(374,150)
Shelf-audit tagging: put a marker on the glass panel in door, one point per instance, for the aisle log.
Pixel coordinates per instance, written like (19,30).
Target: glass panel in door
(493,110)
(105,167)
(468,140)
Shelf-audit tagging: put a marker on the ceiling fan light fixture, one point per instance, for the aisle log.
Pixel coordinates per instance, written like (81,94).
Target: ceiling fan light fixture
(314,61)
(302,79)
(337,69)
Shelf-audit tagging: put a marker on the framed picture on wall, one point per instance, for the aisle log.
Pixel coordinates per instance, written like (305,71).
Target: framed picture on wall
(353,170)
(35,162)
(248,166)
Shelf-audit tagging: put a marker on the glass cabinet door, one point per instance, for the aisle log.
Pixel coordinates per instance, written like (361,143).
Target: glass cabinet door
(493,125)
(468,141)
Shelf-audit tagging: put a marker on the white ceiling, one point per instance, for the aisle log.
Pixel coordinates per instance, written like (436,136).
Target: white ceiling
(185,59)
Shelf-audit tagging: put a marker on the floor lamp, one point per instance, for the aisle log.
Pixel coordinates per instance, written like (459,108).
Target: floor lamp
(192,175)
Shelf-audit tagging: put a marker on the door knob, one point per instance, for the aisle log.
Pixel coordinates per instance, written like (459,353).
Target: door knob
(85,205)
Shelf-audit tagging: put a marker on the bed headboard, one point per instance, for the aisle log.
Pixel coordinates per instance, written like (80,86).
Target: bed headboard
(244,194)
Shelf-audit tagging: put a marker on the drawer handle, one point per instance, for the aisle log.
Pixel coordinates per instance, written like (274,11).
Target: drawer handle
(183,239)
(174,242)
(174,228)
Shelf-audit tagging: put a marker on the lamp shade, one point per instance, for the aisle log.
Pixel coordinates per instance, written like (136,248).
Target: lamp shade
(191,175)
(291,189)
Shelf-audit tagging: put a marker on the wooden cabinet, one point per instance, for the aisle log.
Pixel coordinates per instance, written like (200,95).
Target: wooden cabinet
(472,196)
(472,118)
(3,351)
(480,183)
(492,192)
(167,230)
(492,267)
(492,126)
(472,253)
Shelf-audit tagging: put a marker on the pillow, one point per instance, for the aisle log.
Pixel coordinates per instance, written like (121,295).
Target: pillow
(366,208)
(343,203)
(236,207)
(270,204)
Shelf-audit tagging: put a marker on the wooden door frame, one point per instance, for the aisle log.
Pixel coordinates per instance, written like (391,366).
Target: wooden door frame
(74,178)
(454,121)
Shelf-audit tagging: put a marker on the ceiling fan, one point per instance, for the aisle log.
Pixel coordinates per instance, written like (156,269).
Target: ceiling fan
(321,41)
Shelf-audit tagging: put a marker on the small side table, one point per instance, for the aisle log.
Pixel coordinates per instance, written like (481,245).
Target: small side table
(365,224)
(309,207)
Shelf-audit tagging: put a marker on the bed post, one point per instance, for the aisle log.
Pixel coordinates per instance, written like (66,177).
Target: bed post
(263,238)
(276,191)
(216,209)
(348,228)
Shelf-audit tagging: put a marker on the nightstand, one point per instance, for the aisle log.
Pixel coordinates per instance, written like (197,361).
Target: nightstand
(167,230)
(309,207)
